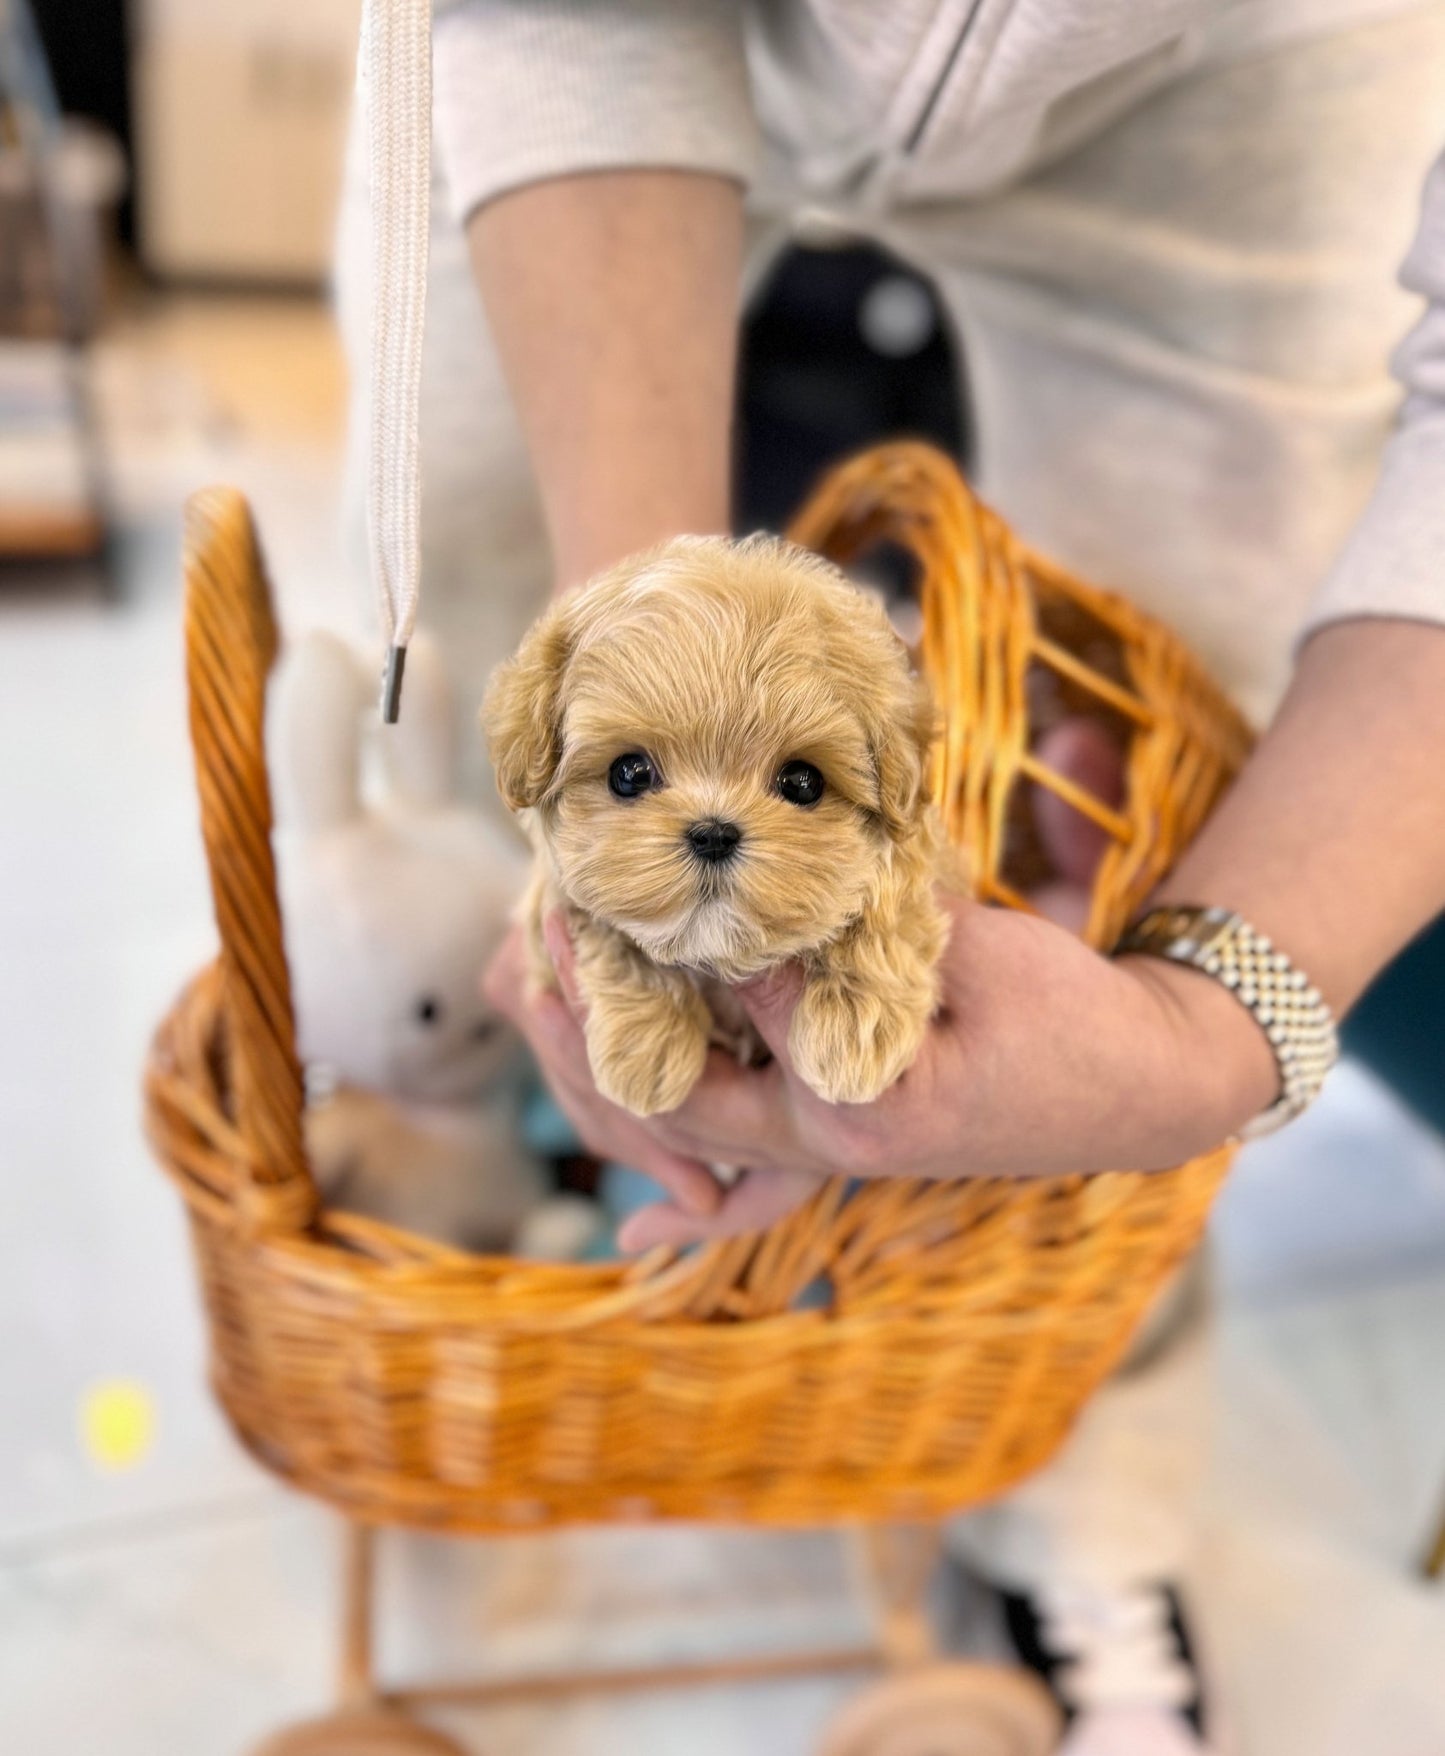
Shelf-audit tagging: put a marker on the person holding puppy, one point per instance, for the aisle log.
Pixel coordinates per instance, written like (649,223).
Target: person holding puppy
(1168,233)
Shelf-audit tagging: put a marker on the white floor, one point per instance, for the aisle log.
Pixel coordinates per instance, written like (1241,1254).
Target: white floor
(182,1605)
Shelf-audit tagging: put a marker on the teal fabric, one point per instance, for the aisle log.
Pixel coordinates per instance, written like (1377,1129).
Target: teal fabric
(1398,1028)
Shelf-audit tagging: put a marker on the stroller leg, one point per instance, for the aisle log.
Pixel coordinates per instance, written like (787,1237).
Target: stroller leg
(357,1680)
(363,1725)
(900,1562)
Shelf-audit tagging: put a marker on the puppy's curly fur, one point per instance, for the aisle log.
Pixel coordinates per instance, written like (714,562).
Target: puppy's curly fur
(721,663)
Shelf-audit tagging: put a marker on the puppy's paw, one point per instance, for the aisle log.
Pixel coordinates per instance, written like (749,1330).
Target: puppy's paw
(849,1043)
(648,1058)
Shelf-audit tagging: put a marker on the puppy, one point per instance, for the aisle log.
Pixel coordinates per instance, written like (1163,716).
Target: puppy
(721,755)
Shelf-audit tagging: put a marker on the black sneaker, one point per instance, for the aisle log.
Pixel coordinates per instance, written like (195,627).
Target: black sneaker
(1121,1664)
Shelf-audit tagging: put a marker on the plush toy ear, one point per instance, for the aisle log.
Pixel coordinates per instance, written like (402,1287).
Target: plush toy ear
(901,750)
(419,752)
(313,733)
(523,711)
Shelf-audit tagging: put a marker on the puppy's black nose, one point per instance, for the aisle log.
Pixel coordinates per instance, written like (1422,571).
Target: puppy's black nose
(714,840)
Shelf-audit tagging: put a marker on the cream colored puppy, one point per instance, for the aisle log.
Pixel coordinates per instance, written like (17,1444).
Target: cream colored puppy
(721,753)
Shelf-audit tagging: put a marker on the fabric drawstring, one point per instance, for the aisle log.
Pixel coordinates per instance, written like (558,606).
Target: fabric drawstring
(395,80)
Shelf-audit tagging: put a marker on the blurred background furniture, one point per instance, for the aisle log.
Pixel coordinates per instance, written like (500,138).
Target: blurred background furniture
(60,181)
(240,123)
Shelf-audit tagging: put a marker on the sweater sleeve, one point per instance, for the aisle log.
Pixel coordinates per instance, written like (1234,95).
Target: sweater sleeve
(526,90)
(1394,561)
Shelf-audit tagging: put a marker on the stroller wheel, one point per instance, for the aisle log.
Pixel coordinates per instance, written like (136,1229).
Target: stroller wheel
(948,1710)
(362,1731)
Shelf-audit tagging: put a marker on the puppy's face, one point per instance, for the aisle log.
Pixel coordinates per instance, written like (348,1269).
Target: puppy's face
(721,743)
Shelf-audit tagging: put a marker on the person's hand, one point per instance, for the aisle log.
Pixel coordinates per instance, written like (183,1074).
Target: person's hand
(1044,1058)
(550,1025)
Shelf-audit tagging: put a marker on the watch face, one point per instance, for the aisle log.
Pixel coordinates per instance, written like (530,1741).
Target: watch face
(1190,933)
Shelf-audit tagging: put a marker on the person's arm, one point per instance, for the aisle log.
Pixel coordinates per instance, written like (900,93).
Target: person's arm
(1049,1058)
(613,298)
(1046,1057)
(1333,839)
(596,152)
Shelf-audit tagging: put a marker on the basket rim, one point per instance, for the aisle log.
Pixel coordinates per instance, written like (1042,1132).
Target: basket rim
(410,1282)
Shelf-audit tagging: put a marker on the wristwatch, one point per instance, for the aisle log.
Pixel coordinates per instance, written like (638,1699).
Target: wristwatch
(1287,1007)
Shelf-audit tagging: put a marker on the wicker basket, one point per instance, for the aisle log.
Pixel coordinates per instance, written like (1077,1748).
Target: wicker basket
(967,1323)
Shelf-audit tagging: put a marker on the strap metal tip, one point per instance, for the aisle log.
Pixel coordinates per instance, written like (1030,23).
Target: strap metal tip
(391,684)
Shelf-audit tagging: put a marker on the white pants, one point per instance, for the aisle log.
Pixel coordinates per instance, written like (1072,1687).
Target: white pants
(1176,344)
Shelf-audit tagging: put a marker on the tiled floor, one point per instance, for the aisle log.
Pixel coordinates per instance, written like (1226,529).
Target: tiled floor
(183,1606)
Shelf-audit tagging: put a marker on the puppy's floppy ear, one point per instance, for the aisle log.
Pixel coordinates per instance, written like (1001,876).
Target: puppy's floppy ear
(902,742)
(522,712)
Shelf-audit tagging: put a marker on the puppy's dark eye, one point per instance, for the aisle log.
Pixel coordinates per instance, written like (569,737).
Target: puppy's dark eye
(632,775)
(428,1010)
(800,783)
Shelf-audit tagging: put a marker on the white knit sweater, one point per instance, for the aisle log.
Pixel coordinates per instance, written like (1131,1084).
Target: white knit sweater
(869,102)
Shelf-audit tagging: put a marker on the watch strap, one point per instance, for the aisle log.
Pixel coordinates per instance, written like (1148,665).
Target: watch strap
(1285,1004)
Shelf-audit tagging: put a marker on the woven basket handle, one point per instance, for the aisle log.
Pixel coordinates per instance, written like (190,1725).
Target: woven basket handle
(970,583)
(910,494)
(979,622)
(230,645)
(992,609)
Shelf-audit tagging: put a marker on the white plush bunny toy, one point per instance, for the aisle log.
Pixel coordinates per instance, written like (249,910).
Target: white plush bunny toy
(392,909)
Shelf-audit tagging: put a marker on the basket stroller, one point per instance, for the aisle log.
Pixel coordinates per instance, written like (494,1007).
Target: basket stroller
(965,1324)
